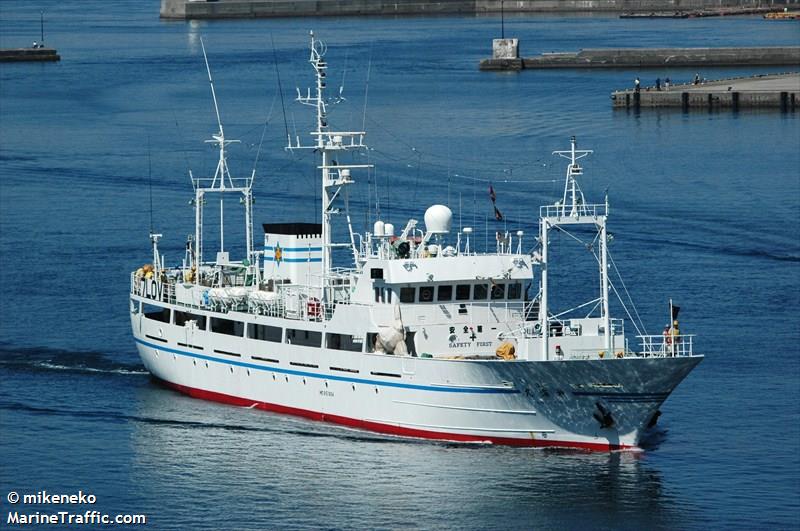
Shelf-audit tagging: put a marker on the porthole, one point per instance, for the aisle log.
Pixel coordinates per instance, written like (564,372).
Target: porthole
(287,378)
(194,362)
(206,365)
(326,384)
(376,390)
(273,375)
(354,387)
(231,368)
(304,381)
(248,372)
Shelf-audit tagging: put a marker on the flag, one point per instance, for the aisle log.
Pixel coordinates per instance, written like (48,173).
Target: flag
(492,195)
(497,214)
(675,310)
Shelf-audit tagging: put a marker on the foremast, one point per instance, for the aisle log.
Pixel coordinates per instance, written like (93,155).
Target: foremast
(221,183)
(573,210)
(335,176)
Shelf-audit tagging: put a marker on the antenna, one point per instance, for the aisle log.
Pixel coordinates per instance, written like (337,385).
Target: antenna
(280,89)
(366,89)
(211,82)
(344,73)
(153,236)
(150,183)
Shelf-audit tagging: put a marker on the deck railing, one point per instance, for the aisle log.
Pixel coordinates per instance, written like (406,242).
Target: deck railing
(572,211)
(662,346)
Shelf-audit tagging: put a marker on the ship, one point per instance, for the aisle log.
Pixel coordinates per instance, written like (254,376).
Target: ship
(410,332)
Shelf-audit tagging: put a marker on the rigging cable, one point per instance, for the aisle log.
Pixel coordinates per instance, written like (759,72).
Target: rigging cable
(280,89)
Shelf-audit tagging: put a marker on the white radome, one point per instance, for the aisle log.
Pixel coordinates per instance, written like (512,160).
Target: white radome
(438,219)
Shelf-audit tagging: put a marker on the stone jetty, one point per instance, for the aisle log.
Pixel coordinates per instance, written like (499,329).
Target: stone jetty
(776,91)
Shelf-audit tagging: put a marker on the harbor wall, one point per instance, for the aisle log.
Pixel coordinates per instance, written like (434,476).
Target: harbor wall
(722,99)
(184,9)
(653,58)
(29,54)
(777,91)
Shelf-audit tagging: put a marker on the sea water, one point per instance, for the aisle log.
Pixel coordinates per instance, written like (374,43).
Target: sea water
(705,209)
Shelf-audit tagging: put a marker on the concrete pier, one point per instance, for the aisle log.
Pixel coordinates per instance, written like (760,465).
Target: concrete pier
(656,58)
(779,91)
(198,9)
(29,54)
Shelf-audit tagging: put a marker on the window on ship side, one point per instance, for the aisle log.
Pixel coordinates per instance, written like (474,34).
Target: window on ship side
(425,293)
(408,294)
(481,292)
(498,291)
(463,292)
(445,293)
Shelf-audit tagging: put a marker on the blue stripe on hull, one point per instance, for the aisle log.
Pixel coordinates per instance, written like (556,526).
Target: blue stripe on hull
(328,376)
(272,259)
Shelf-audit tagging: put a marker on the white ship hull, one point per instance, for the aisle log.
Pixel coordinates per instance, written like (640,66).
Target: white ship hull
(520,403)
(414,333)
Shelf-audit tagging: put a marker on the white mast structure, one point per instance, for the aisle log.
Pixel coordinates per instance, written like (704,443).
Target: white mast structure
(573,210)
(335,176)
(221,183)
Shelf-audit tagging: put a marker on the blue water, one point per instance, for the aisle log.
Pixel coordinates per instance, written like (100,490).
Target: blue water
(705,206)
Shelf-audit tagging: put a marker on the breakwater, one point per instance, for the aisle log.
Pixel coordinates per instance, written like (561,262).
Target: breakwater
(29,54)
(652,58)
(778,91)
(185,9)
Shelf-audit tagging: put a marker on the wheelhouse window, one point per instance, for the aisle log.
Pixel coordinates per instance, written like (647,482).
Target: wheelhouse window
(383,295)
(181,318)
(480,292)
(156,313)
(498,291)
(344,342)
(227,327)
(265,332)
(304,338)
(445,293)
(408,294)
(514,291)
(463,292)
(426,294)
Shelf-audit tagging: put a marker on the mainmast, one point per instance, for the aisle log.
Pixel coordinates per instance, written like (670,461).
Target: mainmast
(335,176)
(221,183)
(573,210)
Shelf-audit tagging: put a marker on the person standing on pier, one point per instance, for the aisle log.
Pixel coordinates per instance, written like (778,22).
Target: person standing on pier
(666,84)
(696,79)
(636,84)
(658,83)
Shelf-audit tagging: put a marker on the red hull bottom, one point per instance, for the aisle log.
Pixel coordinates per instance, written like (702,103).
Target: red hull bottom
(384,428)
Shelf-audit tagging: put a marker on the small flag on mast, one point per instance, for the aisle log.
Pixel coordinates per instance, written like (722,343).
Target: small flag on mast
(497,214)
